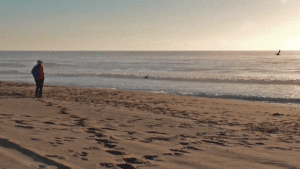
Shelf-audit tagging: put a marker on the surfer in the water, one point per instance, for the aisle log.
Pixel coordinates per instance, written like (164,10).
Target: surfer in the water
(146,77)
(278,53)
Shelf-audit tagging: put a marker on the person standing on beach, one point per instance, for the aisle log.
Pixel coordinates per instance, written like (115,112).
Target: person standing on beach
(38,74)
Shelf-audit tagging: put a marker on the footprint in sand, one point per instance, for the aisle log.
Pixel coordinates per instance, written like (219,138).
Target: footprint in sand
(7,115)
(185,125)
(150,139)
(133,160)
(159,125)
(278,148)
(25,127)
(84,159)
(90,137)
(214,142)
(114,152)
(160,119)
(73,116)
(181,151)
(178,154)
(58,140)
(170,154)
(277,114)
(100,135)
(150,157)
(108,165)
(104,141)
(134,120)
(125,166)
(131,132)
(124,125)
(53,144)
(110,145)
(155,132)
(91,148)
(80,122)
(107,128)
(132,138)
(192,148)
(62,110)
(25,115)
(108,119)
(95,131)
(49,122)
(35,139)
(70,139)
(49,104)
(84,154)
(20,122)
(187,136)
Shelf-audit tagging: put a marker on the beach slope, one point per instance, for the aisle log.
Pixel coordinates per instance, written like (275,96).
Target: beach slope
(88,128)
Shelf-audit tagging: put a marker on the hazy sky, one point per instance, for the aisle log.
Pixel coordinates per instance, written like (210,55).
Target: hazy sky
(149,24)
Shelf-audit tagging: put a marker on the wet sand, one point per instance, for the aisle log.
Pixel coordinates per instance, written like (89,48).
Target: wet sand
(89,128)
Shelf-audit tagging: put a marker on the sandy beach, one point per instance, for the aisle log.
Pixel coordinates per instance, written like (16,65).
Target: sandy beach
(88,128)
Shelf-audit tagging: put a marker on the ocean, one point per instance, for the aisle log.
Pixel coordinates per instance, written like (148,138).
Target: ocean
(242,75)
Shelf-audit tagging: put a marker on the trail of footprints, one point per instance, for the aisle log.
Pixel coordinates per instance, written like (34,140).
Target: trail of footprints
(60,141)
(110,144)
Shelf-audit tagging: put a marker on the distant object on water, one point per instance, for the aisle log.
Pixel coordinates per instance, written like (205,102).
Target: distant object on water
(146,77)
(278,53)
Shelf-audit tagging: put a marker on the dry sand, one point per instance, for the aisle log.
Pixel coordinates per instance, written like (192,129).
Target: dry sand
(88,128)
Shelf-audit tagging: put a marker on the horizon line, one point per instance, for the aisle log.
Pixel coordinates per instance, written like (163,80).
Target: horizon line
(140,50)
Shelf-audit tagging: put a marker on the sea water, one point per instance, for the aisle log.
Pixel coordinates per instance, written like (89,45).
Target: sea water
(245,75)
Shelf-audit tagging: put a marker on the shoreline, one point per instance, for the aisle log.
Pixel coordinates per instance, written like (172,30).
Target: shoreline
(75,127)
(255,99)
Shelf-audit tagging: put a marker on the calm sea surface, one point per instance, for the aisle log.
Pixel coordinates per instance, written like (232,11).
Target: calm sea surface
(245,75)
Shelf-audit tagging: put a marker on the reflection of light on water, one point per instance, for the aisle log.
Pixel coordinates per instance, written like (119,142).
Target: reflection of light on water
(284,1)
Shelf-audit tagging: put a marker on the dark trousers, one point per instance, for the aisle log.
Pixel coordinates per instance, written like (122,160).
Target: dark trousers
(39,88)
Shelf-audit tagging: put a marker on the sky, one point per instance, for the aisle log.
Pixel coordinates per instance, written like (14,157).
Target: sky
(149,25)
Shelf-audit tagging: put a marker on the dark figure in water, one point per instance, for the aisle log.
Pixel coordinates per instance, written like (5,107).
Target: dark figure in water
(146,77)
(278,53)
(39,81)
